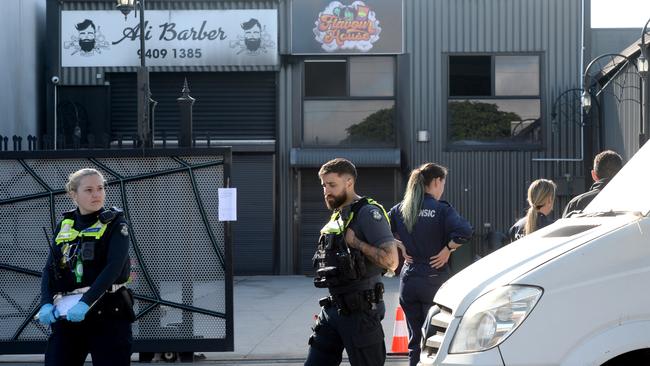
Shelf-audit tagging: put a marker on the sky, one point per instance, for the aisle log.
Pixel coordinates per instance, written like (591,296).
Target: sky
(619,13)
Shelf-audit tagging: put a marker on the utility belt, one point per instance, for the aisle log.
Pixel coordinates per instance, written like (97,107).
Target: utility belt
(115,303)
(83,290)
(351,302)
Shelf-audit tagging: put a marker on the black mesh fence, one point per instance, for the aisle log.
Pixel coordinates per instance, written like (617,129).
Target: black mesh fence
(180,254)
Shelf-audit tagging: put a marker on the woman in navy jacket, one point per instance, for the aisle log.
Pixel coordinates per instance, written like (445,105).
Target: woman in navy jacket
(430,229)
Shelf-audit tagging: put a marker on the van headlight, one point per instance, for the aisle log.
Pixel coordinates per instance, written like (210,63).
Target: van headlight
(493,317)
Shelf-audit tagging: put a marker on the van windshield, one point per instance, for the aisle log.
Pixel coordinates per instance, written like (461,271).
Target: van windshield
(629,190)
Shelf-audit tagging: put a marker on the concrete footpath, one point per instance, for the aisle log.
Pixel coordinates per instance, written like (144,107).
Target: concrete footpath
(273,318)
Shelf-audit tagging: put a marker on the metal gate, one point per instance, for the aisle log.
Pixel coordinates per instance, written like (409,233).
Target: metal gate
(181,256)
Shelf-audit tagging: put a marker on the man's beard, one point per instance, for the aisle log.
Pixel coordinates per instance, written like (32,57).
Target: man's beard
(334,202)
(87,45)
(253,44)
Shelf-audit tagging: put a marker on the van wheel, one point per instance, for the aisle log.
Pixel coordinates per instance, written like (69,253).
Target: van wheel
(169,356)
(638,357)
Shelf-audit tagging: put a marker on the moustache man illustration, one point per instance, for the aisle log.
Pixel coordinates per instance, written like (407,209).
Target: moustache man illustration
(86,31)
(252,34)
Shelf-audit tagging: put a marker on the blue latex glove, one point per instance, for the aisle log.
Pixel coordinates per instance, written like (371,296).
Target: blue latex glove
(78,312)
(46,314)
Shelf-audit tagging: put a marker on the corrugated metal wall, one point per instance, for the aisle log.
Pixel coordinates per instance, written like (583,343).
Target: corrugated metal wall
(490,186)
(21,61)
(621,114)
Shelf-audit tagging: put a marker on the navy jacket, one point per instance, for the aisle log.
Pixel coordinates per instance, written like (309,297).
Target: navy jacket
(437,224)
(516,232)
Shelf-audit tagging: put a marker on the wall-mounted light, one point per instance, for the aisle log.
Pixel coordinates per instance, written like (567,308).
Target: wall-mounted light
(642,65)
(586,101)
(423,136)
(125,6)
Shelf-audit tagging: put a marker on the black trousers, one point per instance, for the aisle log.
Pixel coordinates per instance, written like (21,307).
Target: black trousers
(108,341)
(416,297)
(360,333)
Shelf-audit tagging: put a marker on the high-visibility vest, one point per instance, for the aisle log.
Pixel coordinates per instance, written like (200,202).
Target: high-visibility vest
(69,239)
(336,224)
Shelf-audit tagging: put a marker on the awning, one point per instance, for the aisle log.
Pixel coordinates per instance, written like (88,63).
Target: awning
(310,158)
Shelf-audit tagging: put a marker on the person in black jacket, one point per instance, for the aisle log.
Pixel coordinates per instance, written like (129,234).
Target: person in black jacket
(430,230)
(541,198)
(606,165)
(87,267)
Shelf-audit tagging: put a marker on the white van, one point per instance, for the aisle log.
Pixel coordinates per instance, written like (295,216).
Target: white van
(573,293)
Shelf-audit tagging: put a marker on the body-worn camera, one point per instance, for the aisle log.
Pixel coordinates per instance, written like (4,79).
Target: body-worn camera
(88,251)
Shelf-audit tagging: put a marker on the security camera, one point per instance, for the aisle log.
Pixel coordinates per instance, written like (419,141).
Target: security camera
(55,79)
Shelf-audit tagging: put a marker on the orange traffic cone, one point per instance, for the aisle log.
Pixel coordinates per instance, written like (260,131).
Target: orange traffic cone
(400,333)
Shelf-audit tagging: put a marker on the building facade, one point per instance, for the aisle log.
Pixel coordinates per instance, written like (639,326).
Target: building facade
(489,89)
(22,62)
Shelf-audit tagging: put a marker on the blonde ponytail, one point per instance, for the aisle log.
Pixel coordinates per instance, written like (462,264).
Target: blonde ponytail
(419,179)
(539,192)
(412,201)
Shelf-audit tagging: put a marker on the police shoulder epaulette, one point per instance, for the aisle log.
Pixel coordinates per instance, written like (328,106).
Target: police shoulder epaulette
(69,214)
(109,215)
(359,204)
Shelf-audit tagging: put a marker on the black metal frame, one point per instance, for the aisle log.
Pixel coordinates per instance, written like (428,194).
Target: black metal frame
(347,97)
(16,346)
(511,144)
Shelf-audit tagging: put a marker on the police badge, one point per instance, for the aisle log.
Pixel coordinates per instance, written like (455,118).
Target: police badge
(376,215)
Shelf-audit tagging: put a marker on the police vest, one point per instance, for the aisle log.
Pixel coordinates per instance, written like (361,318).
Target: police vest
(82,254)
(339,267)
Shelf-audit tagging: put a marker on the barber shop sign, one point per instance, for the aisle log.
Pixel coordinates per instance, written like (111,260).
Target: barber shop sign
(172,38)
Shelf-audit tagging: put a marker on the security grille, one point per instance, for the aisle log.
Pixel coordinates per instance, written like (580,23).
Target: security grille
(181,271)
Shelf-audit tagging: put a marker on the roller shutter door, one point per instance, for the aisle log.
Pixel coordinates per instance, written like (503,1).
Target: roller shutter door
(253,234)
(229,105)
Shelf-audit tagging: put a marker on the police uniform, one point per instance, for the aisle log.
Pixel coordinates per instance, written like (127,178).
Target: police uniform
(351,316)
(518,230)
(437,224)
(90,255)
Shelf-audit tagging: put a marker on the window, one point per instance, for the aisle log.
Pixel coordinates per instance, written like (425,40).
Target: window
(325,79)
(349,102)
(494,101)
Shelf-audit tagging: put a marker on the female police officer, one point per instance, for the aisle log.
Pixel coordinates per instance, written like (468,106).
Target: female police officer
(430,229)
(541,198)
(89,258)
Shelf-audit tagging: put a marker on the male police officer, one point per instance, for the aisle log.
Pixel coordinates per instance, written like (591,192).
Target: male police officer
(606,164)
(355,248)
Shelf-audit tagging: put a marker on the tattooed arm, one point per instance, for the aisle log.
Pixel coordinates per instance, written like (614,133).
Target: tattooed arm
(385,255)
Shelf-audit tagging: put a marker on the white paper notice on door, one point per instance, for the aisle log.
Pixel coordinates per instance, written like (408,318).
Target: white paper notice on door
(227,204)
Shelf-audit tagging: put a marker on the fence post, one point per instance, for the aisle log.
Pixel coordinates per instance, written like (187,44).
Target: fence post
(18,143)
(185,103)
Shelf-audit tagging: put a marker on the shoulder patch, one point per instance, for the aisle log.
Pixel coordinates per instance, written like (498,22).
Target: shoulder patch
(376,214)
(124,230)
